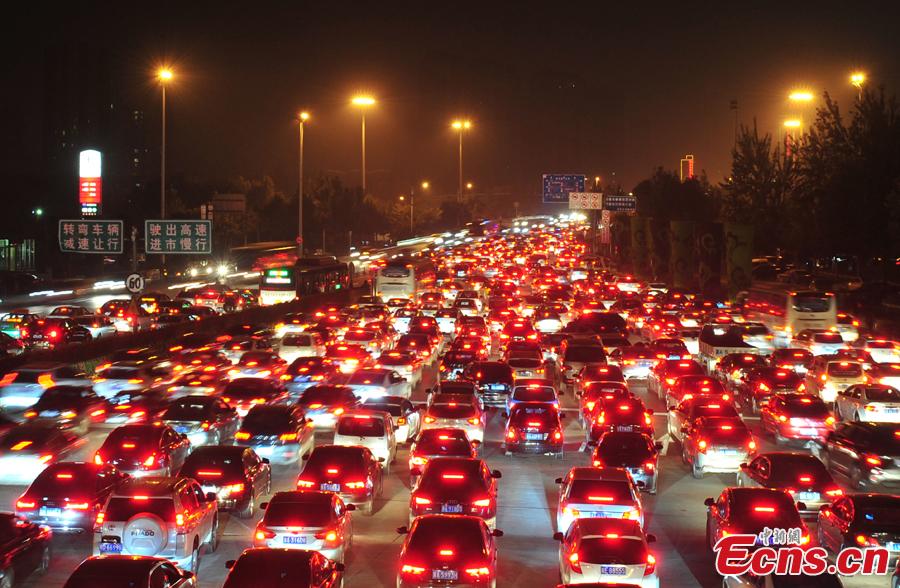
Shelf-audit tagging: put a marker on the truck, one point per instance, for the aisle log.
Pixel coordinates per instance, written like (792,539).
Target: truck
(717,341)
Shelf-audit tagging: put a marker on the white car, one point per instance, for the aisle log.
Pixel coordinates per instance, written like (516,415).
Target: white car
(868,402)
(607,550)
(883,351)
(407,418)
(373,430)
(23,387)
(294,345)
(129,375)
(402,318)
(597,492)
(758,335)
(99,326)
(820,341)
(369,383)
(848,327)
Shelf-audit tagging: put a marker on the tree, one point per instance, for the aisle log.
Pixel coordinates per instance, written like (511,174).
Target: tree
(663,196)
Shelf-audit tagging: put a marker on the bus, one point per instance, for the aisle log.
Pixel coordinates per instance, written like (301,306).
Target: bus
(403,278)
(307,276)
(787,312)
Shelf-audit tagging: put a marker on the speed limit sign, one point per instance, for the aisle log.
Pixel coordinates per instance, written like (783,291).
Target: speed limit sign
(134,283)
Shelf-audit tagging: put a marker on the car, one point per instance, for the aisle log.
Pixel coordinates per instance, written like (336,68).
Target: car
(296,345)
(136,406)
(574,356)
(599,396)
(757,335)
(266,566)
(791,417)
(280,433)
(236,475)
(376,383)
(802,475)
(439,442)
(308,520)
(69,407)
(536,390)
(461,411)
(196,361)
(406,364)
(635,451)
(456,485)
(733,369)
(28,449)
(407,419)
(259,364)
(25,549)
(67,495)
(690,410)
(418,344)
(245,393)
(308,371)
(15,324)
(634,361)
(21,388)
(865,453)
(235,346)
(883,350)
(623,415)
(130,375)
(158,516)
(607,550)
(868,402)
(371,429)
(686,387)
(144,450)
(494,380)
(124,570)
(827,378)
(126,316)
(793,358)
(369,339)
(885,373)
(206,420)
(352,472)
(763,382)
(324,403)
(819,341)
(348,358)
(98,326)
(448,549)
(665,373)
(716,444)
(748,511)
(50,333)
(597,492)
(863,521)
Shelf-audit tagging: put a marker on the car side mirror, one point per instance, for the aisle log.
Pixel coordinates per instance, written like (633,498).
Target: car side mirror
(187,575)
(402,530)
(349,507)
(229,564)
(801,506)
(475,442)
(265,460)
(497,533)
(210,497)
(709,502)
(743,466)
(558,536)
(558,480)
(263,505)
(651,538)
(496,474)
(339,567)
(380,460)
(658,445)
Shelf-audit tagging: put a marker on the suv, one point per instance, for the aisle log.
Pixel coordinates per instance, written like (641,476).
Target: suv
(161,516)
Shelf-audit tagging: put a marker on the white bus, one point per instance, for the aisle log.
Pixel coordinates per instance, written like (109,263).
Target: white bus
(403,279)
(787,312)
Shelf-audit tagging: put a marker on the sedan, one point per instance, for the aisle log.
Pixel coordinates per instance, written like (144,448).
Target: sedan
(607,550)
(597,492)
(278,432)
(868,402)
(204,419)
(69,407)
(456,485)
(309,520)
(407,418)
(748,511)
(283,567)
(25,548)
(129,570)
(26,450)
(236,475)
(861,520)
(377,383)
(802,475)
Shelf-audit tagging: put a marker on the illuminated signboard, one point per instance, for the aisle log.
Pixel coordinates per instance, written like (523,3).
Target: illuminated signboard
(90,183)
(278,276)
(178,236)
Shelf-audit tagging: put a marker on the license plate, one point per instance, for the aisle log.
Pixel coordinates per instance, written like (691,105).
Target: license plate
(444,575)
(808,496)
(181,429)
(809,432)
(534,436)
(613,570)
(49,413)
(293,540)
(451,508)
(330,487)
(494,387)
(892,410)
(50,512)
(891,546)
(728,452)
(624,428)
(110,548)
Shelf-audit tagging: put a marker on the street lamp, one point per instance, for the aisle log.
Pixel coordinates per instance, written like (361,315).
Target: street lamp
(412,203)
(362,102)
(857,79)
(302,117)
(461,125)
(164,75)
(469,185)
(801,96)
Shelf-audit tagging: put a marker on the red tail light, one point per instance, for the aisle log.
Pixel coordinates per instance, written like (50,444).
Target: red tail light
(150,461)
(411,571)
(511,434)
(574,563)
(330,537)
(474,420)
(98,459)
(834,492)
(421,500)
(649,466)
(98,522)
(478,573)
(304,484)
(701,445)
(24,503)
(262,533)
(651,565)
(242,435)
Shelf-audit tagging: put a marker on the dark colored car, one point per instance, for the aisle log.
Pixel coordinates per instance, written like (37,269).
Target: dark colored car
(265,566)
(862,521)
(28,449)
(634,451)
(245,393)
(439,442)
(456,485)
(802,475)
(24,548)
(494,380)
(867,454)
(750,510)
(534,427)
(67,495)
(761,383)
(48,333)
(281,433)
(144,450)
(352,472)
(308,371)
(625,415)
(206,420)
(70,407)
(324,403)
(136,406)
(127,571)
(236,475)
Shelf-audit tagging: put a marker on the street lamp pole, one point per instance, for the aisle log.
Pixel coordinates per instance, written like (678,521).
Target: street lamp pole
(302,118)
(461,125)
(363,102)
(164,75)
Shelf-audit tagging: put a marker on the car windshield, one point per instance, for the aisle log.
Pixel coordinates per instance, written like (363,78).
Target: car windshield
(600,492)
(361,426)
(618,550)
(312,511)
(811,303)
(585,354)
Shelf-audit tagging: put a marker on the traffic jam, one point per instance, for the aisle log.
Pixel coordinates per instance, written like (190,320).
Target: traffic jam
(496,409)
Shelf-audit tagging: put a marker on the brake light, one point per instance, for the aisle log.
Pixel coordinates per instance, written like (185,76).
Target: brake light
(701,445)
(446,552)
(77,506)
(429,419)
(288,437)
(355,485)
(242,435)
(763,509)
(632,514)
(24,504)
(864,541)
(98,459)
(651,565)
(304,483)
(482,503)
(209,473)
(150,461)
(412,570)
(262,533)
(452,476)
(511,434)
(481,572)
(834,492)
(649,466)
(98,522)
(574,563)
(873,461)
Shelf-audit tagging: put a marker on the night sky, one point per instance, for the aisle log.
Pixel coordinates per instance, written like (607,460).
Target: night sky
(550,86)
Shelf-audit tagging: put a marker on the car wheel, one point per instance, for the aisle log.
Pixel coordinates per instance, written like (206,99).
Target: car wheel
(857,417)
(754,406)
(45,561)
(696,471)
(194,565)
(248,511)
(368,507)
(684,457)
(856,479)
(7,580)
(779,440)
(213,542)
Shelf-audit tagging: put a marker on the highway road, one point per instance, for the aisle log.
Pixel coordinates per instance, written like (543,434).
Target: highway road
(528,554)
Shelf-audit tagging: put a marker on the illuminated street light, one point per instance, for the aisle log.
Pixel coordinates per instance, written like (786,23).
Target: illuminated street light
(165,74)
(461,125)
(801,96)
(363,101)
(302,117)
(469,185)
(857,79)
(425,185)
(793,123)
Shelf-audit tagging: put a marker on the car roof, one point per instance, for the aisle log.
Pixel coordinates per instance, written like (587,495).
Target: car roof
(155,486)
(604,473)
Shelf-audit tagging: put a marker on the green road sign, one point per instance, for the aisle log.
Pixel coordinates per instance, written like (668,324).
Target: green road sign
(90,236)
(170,237)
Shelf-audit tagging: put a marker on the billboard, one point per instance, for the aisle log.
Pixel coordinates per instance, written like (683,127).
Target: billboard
(558,186)
(90,183)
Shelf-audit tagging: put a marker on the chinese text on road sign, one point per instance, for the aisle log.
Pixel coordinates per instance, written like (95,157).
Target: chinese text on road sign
(178,236)
(90,236)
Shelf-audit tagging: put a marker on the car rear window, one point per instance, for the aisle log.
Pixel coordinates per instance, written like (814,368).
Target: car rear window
(394,410)
(294,340)
(600,492)
(248,388)
(360,336)
(525,415)
(463,536)
(213,466)
(270,568)
(121,373)
(725,433)
(617,550)
(437,442)
(328,396)
(828,338)
(267,419)
(452,410)
(806,407)
(845,369)
(366,378)
(186,410)
(345,460)
(361,426)
(883,394)
(309,513)
(787,470)
(764,508)
(65,478)
(534,393)
(122,508)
